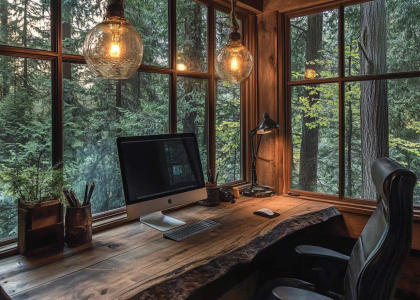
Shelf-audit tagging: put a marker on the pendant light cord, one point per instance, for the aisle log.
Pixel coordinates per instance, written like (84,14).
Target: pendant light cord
(235,26)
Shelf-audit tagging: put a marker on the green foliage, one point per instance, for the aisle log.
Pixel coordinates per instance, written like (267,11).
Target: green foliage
(403,96)
(32,184)
(96,112)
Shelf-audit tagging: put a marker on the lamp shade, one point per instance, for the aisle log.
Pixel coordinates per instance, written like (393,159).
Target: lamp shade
(267,125)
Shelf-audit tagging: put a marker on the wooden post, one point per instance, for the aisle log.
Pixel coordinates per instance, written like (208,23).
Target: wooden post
(270,98)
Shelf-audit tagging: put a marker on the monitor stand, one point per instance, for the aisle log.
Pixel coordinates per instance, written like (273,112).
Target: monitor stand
(160,222)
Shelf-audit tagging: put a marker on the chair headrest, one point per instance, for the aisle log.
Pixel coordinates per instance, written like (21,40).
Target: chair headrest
(384,170)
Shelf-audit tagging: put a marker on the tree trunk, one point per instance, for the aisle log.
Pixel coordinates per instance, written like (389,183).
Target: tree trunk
(25,43)
(4,6)
(4,28)
(373,98)
(118,101)
(192,54)
(309,145)
(66,31)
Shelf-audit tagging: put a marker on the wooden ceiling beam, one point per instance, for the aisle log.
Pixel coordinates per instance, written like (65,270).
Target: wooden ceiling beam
(293,5)
(255,6)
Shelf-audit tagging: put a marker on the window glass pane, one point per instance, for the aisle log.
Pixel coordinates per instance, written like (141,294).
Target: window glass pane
(192,112)
(390,128)
(314,46)
(78,18)
(222,29)
(315,138)
(25,24)
(228,131)
(191,34)
(25,121)
(95,114)
(382,37)
(148,17)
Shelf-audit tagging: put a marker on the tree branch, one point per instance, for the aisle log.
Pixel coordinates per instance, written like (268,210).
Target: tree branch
(300,28)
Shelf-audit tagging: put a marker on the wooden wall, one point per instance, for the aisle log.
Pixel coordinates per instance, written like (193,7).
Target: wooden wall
(270,99)
(290,5)
(270,96)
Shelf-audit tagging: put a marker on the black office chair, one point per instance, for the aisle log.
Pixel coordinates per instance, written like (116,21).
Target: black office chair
(377,257)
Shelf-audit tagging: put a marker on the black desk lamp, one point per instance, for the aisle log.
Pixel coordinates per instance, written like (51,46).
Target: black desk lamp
(266,126)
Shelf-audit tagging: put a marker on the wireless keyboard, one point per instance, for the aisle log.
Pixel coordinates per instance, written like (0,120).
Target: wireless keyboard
(190,230)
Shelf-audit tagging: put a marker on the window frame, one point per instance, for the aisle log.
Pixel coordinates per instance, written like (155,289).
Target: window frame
(357,205)
(58,58)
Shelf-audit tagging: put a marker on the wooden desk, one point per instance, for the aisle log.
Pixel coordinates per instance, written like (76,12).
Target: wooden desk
(135,261)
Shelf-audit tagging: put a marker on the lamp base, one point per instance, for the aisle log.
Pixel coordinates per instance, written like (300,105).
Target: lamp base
(258,191)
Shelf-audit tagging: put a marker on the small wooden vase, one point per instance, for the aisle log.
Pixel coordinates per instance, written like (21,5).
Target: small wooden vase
(40,227)
(78,225)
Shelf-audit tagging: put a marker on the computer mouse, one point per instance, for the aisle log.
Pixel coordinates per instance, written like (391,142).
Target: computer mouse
(267,213)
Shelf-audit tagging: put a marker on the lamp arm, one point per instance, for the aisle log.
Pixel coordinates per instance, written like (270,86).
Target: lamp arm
(258,146)
(253,158)
(254,131)
(254,155)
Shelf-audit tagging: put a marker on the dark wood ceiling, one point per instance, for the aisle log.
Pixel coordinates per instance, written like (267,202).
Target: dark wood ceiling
(290,5)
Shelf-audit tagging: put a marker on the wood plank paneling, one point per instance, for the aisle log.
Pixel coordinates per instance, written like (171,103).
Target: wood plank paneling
(255,6)
(290,5)
(269,169)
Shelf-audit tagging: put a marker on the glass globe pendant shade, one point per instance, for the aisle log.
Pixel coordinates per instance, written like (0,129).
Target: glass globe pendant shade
(234,62)
(113,49)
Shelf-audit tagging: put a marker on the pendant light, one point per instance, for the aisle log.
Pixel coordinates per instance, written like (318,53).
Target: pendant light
(113,49)
(234,62)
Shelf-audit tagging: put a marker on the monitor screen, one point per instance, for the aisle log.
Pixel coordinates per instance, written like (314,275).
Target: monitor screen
(160,165)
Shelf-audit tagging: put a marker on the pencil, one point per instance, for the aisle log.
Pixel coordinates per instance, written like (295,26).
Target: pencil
(86,193)
(66,196)
(76,201)
(92,187)
(69,198)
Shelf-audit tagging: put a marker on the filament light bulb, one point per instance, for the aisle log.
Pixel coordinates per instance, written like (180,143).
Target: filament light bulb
(115,43)
(113,49)
(234,62)
(234,65)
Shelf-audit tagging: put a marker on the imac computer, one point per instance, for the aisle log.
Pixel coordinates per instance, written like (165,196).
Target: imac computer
(160,172)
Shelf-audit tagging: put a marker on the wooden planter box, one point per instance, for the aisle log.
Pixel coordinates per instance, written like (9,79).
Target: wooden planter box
(40,227)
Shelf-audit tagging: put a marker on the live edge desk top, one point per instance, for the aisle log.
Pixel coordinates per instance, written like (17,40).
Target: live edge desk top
(134,261)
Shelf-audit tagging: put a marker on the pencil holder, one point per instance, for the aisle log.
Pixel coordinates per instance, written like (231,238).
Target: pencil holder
(78,225)
(226,194)
(212,195)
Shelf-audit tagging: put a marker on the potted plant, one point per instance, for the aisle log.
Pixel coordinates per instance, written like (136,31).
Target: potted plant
(37,189)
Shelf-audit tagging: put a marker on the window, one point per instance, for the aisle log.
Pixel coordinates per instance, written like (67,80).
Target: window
(50,102)
(353,95)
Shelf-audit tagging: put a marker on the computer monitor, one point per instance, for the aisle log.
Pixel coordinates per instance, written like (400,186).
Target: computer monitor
(160,172)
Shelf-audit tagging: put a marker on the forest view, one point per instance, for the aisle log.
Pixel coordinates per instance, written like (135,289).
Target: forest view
(382,117)
(96,112)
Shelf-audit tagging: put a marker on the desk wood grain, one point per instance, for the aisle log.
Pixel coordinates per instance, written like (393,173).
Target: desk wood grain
(134,261)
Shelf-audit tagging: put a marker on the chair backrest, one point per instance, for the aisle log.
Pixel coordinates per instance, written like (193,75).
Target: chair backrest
(379,254)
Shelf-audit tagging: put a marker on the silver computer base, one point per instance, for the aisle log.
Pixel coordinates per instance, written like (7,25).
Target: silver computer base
(160,222)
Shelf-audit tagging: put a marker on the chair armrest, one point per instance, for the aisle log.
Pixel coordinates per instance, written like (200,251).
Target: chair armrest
(321,252)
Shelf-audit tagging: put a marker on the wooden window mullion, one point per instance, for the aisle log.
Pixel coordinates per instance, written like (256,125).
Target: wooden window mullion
(172,65)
